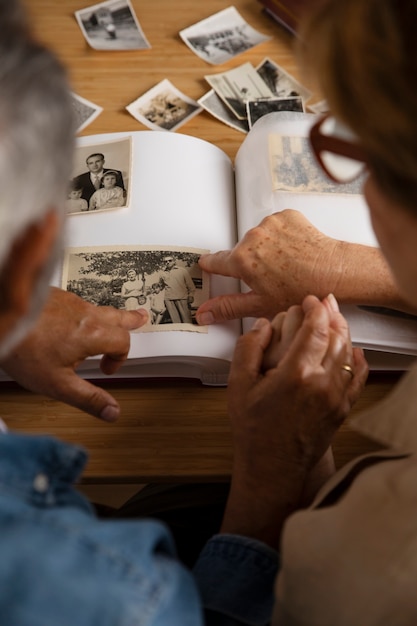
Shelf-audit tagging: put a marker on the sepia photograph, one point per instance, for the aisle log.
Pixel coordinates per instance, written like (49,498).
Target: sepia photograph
(237,86)
(164,107)
(167,282)
(101,177)
(294,168)
(216,107)
(258,108)
(112,25)
(282,84)
(221,37)
(84,111)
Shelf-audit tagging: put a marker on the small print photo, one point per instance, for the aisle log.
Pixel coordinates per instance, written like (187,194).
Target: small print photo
(112,25)
(221,37)
(294,168)
(216,107)
(237,86)
(101,177)
(282,84)
(167,282)
(258,108)
(84,111)
(164,107)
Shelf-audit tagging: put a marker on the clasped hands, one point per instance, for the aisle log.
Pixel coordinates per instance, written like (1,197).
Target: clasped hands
(288,394)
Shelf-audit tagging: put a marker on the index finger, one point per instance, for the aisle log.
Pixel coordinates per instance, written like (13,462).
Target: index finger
(128,320)
(218,263)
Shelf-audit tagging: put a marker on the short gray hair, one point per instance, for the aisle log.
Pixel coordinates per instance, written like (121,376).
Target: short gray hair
(36,129)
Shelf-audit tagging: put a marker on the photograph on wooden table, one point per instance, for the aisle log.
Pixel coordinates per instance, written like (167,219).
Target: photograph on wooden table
(280,82)
(221,36)
(101,176)
(164,107)
(258,108)
(84,111)
(217,108)
(112,25)
(238,85)
(283,87)
(168,283)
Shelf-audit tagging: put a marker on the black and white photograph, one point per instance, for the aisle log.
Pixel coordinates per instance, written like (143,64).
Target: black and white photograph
(164,107)
(216,107)
(84,111)
(101,177)
(221,36)
(167,282)
(294,168)
(112,25)
(280,82)
(237,86)
(258,108)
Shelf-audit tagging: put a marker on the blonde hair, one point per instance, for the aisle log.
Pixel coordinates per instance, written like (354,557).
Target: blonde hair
(363,54)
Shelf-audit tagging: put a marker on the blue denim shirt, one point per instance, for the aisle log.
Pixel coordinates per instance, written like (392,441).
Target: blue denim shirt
(61,566)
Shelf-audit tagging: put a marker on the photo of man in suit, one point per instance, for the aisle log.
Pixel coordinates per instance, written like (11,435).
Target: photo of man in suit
(93,179)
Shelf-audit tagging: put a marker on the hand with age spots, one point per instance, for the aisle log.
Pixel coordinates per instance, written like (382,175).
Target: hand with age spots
(286,258)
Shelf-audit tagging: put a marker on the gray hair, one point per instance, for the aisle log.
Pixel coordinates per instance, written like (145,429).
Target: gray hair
(36,146)
(36,129)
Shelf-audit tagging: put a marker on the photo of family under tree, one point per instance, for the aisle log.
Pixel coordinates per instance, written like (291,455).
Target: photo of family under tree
(167,283)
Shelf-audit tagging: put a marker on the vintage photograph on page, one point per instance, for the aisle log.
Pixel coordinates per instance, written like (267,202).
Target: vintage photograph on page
(164,107)
(237,86)
(84,111)
(101,177)
(258,108)
(294,169)
(282,84)
(167,282)
(221,37)
(216,107)
(112,25)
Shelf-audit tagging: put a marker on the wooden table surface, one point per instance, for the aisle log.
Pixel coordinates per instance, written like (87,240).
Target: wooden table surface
(174,429)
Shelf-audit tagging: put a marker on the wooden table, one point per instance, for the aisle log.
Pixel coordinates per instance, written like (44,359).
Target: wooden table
(177,429)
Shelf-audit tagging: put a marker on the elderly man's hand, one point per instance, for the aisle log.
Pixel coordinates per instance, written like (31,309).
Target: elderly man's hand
(68,331)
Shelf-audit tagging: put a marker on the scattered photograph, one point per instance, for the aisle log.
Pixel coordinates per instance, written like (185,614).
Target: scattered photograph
(221,37)
(213,105)
(320,107)
(112,25)
(167,282)
(258,108)
(101,177)
(237,86)
(84,111)
(282,84)
(294,168)
(164,107)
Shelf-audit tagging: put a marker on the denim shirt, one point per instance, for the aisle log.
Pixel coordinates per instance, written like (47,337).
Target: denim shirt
(61,566)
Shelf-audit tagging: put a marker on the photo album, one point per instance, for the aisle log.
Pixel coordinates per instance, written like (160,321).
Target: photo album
(144,205)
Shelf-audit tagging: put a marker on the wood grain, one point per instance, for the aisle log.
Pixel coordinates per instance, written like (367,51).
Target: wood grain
(177,429)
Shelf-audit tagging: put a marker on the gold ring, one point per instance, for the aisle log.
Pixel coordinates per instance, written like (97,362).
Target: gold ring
(347,368)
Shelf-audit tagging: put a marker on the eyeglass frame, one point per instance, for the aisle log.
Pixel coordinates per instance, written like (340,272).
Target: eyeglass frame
(320,143)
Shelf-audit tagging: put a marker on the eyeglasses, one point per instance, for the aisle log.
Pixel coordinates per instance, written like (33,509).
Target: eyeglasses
(337,150)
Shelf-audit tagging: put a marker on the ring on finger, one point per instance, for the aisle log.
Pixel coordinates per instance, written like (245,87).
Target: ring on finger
(348,368)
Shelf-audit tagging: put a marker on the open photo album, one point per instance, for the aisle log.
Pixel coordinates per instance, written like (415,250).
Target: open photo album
(166,198)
